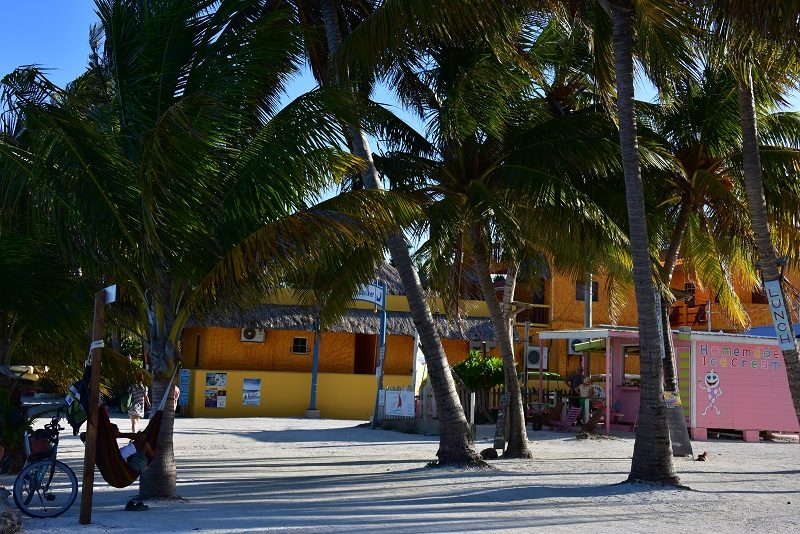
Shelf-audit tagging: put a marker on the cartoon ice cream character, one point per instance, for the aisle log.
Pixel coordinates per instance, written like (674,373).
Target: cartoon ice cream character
(712,390)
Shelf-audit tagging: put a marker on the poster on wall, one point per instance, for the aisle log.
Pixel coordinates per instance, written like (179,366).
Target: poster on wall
(251,392)
(216,394)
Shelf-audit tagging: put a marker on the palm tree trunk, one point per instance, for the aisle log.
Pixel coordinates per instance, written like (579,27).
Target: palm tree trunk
(455,435)
(757,204)
(517,446)
(670,376)
(159,479)
(652,451)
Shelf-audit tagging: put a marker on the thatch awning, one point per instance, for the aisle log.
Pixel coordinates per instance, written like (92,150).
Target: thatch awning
(285,317)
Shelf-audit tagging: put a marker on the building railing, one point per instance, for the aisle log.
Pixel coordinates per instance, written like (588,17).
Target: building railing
(538,315)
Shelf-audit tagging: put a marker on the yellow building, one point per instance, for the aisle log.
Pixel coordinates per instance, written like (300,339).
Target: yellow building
(266,353)
(259,362)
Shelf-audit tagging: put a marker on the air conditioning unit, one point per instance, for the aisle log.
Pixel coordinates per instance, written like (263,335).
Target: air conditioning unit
(535,355)
(252,335)
(571,342)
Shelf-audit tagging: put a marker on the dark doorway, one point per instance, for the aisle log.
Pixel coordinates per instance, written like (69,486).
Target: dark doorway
(366,352)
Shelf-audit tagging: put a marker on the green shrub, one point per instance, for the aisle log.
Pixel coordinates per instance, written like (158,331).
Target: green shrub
(479,373)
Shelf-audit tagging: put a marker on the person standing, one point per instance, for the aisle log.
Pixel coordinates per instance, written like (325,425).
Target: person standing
(139,402)
(574,381)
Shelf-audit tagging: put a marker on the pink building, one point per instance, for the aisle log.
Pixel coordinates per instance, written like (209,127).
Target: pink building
(727,381)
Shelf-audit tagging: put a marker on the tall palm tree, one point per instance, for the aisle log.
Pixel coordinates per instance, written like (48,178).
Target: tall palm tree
(761,45)
(182,180)
(339,18)
(498,171)
(44,297)
(699,121)
(652,456)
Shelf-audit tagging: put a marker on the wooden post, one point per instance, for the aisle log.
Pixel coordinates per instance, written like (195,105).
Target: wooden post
(94,398)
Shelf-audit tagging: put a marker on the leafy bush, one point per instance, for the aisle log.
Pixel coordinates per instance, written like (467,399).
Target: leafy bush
(479,373)
(13,425)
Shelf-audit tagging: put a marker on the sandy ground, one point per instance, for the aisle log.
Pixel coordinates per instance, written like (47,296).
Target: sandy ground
(264,475)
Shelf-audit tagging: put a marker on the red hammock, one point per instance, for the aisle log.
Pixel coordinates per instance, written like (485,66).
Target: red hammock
(112,466)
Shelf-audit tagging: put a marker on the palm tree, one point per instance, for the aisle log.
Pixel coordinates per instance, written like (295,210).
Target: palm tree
(652,455)
(498,172)
(763,39)
(338,19)
(699,121)
(44,297)
(180,178)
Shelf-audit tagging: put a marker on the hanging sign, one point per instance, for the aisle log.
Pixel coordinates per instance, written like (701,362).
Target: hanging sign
(110,294)
(371,293)
(780,318)
(399,403)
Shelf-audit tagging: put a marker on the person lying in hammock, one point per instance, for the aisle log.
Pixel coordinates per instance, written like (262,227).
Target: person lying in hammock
(137,453)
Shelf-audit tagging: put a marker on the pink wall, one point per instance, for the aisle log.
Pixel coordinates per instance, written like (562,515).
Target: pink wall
(741,386)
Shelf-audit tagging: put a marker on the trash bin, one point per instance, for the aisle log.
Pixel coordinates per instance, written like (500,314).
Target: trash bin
(536,421)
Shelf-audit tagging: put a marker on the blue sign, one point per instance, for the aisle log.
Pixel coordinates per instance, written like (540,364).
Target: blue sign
(777,307)
(371,293)
(183,398)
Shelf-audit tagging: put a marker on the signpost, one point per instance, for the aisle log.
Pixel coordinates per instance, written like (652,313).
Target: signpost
(376,294)
(101,298)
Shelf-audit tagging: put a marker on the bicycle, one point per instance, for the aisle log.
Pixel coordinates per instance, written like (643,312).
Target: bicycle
(46,487)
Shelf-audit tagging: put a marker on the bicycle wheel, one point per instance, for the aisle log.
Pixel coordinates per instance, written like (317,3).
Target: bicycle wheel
(45,489)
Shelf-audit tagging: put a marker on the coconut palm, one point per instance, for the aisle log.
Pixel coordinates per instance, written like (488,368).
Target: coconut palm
(499,170)
(337,19)
(182,180)
(652,456)
(44,297)
(760,45)
(700,122)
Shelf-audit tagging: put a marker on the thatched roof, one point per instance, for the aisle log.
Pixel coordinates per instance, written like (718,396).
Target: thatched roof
(388,274)
(283,317)
(357,321)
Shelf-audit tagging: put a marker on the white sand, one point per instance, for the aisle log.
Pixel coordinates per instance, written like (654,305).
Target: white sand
(263,474)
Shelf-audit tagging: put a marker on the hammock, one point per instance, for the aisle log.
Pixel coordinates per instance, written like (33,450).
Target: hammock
(108,459)
(112,466)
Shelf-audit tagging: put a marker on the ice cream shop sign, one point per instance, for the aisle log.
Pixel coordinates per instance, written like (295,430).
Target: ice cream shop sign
(740,383)
(739,356)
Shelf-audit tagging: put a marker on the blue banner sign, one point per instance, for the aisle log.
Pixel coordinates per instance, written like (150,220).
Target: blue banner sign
(370,293)
(780,316)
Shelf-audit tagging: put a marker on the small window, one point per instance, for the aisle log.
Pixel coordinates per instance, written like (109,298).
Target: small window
(759,297)
(689,288)
(580,289)
(300,345)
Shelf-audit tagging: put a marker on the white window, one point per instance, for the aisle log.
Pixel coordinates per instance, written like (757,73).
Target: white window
(300,345)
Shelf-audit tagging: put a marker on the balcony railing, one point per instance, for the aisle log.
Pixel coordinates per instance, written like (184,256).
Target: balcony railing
(539,315)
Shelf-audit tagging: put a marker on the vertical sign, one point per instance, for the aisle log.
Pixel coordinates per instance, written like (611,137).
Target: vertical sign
(183,399)
(376,293)
(780,317)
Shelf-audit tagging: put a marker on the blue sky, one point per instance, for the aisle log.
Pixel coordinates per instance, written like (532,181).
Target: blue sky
(55,35)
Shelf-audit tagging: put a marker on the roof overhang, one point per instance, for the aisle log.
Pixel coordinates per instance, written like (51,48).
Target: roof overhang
(590,333)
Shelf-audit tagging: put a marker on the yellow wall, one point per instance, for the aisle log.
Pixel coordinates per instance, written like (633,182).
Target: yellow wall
(222,348)
(567,313)
(339,396)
